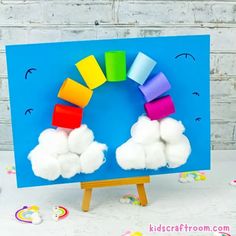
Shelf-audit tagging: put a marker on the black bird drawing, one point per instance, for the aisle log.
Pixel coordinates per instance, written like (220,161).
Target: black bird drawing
(29,111)
(198,119)
(29,71)
(196,93)
(186,54)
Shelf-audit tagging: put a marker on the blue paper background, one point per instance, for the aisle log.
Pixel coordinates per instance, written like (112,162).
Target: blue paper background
(114,106)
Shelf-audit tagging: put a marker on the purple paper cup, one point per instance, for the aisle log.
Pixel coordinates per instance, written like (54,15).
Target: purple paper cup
(155,87)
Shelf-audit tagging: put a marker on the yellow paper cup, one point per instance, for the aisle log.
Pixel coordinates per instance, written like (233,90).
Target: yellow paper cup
(91,72)
(74,92)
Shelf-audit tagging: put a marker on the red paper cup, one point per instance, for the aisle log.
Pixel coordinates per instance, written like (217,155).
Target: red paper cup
(67,116)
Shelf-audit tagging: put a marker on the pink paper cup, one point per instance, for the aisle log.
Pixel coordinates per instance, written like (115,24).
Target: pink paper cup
(160,108)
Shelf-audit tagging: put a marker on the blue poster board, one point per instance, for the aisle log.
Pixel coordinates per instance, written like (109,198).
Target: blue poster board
(114,106)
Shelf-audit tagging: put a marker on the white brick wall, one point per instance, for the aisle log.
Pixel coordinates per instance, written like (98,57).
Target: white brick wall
(29,21)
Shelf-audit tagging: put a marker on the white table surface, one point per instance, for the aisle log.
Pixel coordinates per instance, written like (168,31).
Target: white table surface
(211,202)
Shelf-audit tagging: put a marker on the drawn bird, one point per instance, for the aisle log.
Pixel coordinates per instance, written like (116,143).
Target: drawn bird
(198,119)
(196,93)
(186,54)
(29,71)
(29,111)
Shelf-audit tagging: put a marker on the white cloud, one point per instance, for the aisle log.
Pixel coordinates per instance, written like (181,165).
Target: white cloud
(154,145)
(63,152)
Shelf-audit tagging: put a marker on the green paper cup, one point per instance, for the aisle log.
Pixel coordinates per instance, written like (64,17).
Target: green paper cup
(115,66)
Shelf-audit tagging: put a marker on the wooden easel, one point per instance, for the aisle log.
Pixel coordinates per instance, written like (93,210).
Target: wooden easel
(139,181)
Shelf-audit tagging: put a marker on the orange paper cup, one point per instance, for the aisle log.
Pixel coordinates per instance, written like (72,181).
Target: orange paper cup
(74,92)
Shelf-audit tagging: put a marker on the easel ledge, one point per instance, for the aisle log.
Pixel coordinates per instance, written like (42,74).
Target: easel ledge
(139,181)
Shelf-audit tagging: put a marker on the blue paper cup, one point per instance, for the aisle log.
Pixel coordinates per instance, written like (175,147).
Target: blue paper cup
(141,68)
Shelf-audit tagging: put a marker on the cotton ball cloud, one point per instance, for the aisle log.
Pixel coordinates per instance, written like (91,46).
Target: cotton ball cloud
(131,155)
(93,157)
(178,153)
(154,145)
(145,130)
(171,129)
(66,153)
(79,139)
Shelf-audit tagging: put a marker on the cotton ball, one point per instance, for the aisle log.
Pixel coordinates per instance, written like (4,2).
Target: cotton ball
(70,164)
(155,155)
(145,130)
(178,153)
(46,166)
(171,129)
(54,141)
(130,155)
(38,152)
(92,158)
(80,138)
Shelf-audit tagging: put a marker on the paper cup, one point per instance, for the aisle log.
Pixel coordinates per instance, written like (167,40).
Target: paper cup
(74,92)
(141,68)
(115,62)
(155,87)
(160,108)
(67,116)
(91,72)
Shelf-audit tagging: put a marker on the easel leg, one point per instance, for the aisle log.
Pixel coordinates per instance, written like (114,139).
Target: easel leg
(86,199)
(142,194)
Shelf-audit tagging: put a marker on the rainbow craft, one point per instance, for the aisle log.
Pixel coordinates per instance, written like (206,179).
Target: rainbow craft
(86,110)
(115,61)
(60,212)
(130,199)
(25,214)
(191,176)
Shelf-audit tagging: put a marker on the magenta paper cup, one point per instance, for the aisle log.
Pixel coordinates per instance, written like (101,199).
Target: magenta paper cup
(160,108)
